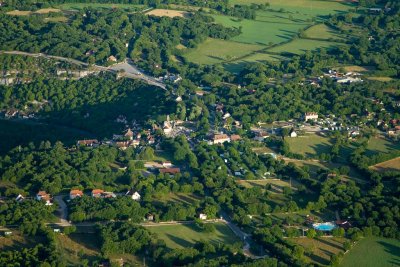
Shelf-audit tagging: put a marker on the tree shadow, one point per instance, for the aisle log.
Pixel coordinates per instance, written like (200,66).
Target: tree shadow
(180,241)
(393,250)
(133,99)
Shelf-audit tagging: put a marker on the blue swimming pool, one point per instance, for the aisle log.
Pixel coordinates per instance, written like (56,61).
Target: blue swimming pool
(327,226)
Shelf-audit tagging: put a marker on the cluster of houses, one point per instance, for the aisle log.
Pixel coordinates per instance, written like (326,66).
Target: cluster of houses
(15,113)
(392,128)
(174,78)
(344,78)
(124,141)
(219,108)
(100,193)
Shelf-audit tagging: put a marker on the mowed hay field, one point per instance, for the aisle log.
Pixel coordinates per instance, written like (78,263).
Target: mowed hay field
(26,13)
(183,236)
(321,248)
(390,165)
(168,13)
(309,145)
(373,252)
(19,13)
(215,51)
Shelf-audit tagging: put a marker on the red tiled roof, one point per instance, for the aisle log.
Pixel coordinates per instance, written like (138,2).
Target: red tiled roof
(76,192)
(97,191)
(235,137)
(220,136)
(88,142)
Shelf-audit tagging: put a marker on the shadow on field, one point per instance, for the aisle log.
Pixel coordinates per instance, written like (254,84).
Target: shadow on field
(393,250)
(179,241)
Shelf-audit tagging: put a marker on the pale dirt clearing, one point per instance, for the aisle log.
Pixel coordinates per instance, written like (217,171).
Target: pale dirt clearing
(168,13)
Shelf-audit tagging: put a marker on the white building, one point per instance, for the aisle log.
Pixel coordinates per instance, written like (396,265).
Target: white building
(310,116)
(202,216)
(134,195)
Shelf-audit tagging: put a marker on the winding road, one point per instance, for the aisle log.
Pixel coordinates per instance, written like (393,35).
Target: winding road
(129,70)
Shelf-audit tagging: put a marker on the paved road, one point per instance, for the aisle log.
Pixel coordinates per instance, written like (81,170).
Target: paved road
(63,210)
(246,238)
(130,70)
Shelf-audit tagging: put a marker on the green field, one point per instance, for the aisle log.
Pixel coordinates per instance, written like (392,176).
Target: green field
(262,32)
(215,51)
(381,145)
(321,31)
(305,7)
(310,145)
(300,46)
(373,252)
(181,236)
(273,33)
(237,65)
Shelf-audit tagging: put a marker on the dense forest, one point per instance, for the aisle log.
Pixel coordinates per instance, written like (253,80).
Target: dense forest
(93,36)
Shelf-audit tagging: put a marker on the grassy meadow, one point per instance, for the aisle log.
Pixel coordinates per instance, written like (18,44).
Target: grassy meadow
(183,236)
(216,51)
(261,32)
(310,145)
(389,165)
(322,31)
(272,35)
(373,252)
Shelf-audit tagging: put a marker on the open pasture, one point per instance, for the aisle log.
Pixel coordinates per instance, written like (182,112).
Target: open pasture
(310,145)
(381,145)
(372,252)
(214,51)
(310,7)
(390,165)
(168,13)
(183,236)
(261,32)
(322,31)
(299,46)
